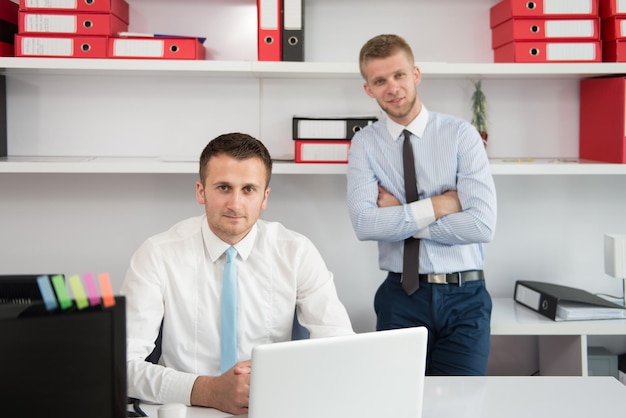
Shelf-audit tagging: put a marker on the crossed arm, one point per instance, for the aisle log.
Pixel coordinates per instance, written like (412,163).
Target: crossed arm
(444,204)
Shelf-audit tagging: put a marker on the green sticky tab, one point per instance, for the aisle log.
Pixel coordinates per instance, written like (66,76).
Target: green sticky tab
(79,291)
(58,282)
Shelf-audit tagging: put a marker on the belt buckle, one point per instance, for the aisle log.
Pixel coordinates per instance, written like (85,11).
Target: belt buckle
(437,278)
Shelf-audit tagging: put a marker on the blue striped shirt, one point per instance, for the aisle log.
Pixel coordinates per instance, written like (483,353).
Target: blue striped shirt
(449,155)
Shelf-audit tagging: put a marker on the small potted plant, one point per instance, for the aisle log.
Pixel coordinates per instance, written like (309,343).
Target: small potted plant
(479,111)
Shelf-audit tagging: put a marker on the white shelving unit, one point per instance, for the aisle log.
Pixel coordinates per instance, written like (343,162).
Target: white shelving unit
(260,71)
(562,345)
(146,165)
(298,70)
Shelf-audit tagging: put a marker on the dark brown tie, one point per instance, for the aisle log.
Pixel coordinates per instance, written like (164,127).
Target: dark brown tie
(410,266)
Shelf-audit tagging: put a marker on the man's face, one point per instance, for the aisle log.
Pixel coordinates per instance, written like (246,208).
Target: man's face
(233,195)
(392,81)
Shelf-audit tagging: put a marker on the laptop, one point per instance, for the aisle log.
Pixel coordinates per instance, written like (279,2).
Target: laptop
(366,375)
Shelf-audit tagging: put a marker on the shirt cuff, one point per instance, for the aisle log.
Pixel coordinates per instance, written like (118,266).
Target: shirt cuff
(424,215)
(177,388)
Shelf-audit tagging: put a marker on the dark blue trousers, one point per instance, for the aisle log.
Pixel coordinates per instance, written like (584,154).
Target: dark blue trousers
(457,318)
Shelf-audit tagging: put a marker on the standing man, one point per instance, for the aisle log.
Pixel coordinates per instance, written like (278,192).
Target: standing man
(439,222)
(176,278)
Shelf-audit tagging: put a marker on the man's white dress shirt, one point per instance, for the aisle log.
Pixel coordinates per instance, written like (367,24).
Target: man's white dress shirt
(177,276)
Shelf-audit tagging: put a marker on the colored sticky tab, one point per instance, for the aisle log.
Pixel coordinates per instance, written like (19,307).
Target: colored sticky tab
(79,292)
(47,294)
(58,283)
(91,289)
(106,290)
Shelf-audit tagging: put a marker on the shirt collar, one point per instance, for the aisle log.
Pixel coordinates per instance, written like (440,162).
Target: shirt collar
(416,127)
(215,247)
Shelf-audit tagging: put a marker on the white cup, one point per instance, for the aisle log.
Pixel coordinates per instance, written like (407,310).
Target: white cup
(172,410)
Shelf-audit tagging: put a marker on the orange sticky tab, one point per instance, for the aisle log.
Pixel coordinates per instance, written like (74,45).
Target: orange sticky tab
(106,290)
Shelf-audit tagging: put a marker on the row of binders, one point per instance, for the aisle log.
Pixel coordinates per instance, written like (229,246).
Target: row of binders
(558,31)
(280,30)
(99,29)
(89,29)
(326,139)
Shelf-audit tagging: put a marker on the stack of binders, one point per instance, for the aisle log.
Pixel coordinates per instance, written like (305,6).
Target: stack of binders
(93,29)
(326,139)
(80,29)
(8,27)
(546,31)
(613,14)
(280,30)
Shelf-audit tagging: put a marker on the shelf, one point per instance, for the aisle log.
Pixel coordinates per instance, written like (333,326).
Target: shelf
(138,165)
(511,318)
(548,166)
(155,165)
(261,69)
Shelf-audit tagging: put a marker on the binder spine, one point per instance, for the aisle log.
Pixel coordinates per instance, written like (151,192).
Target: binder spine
(323,151)
(64,47)
(120,8)
(328,128)
(539,302)
(292,27)
(269,30)
(46,23)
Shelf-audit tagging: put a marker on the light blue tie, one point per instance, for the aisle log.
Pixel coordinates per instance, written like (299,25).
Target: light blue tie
(229,312)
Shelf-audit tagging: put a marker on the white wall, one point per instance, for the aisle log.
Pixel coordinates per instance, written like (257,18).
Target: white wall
(549,228)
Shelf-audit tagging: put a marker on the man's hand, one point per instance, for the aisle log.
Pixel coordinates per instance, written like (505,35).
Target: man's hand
(446,203)
(386,199)
(229,392)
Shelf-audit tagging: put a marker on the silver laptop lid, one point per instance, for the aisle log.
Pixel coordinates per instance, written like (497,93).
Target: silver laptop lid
(367,375)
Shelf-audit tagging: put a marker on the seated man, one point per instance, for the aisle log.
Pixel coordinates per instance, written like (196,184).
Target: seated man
(175,278)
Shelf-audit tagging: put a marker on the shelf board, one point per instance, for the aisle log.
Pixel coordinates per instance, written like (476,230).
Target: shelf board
(511,318)
(63,66)
(554,166)
(156,165)
(265,69)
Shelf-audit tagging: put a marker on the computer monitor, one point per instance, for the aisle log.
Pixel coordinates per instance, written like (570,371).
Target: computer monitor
(18,289)
(68,363)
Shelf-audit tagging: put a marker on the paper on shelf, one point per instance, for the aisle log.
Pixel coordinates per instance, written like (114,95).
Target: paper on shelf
(573,311)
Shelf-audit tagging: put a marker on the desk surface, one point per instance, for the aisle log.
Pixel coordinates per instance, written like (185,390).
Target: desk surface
(510,318)
(499,396)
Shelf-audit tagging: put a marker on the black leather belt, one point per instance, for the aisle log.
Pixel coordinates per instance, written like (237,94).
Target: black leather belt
(453,278)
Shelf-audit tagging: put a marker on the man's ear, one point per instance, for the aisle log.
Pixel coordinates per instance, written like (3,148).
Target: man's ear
(417,74)
(265,198)
(367,90)
(200,193)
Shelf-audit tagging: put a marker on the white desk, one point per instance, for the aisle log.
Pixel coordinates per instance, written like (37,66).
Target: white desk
(562,344)
(504,397)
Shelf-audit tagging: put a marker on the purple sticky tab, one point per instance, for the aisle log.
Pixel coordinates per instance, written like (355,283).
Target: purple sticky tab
(91,289)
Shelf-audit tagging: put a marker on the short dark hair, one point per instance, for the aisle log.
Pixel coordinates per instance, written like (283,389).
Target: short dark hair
(239,146)
(383,46)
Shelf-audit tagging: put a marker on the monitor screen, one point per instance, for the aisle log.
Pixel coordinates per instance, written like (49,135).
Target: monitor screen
(67,364)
